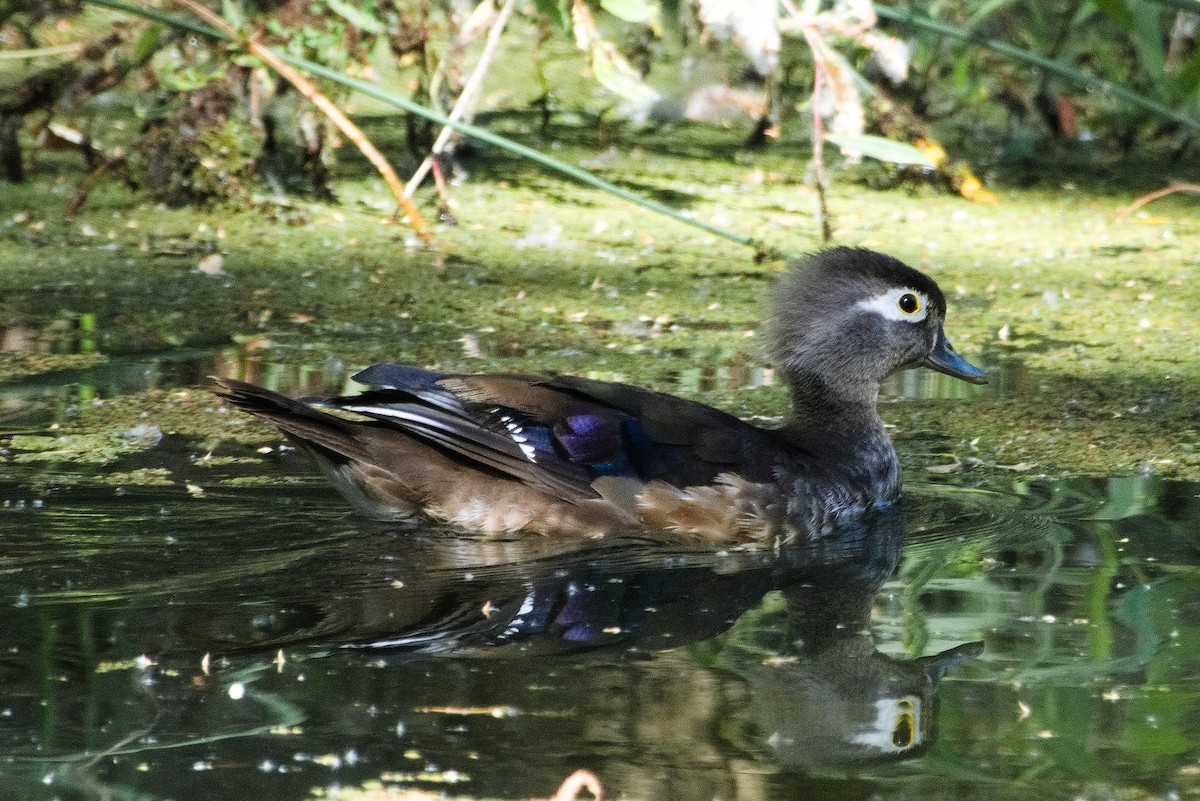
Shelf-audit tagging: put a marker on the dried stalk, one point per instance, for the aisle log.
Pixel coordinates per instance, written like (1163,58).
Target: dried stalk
(819,141)
(466,99)
(1123,215)
(327,107)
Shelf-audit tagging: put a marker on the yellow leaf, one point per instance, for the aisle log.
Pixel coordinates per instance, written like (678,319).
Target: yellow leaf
(973,190)
(935,152)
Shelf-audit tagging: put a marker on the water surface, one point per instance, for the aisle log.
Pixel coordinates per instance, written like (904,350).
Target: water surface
(259,642)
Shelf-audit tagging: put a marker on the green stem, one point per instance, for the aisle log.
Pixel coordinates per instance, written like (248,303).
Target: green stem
(40,52)
(1183,5)
(481,134)
(1100,632)
(906,16)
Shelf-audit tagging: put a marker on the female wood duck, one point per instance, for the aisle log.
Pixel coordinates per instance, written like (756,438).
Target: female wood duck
(560,455)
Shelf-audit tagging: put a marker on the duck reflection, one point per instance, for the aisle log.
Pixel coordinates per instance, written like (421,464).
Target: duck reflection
(672,672)
(804,685)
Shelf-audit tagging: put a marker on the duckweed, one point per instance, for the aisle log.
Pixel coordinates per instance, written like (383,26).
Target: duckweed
(543,276)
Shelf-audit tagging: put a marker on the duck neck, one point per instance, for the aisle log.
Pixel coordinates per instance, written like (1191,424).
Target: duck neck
(840,426)
(848,410)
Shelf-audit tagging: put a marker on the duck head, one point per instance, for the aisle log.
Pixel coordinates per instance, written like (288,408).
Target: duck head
(846,318)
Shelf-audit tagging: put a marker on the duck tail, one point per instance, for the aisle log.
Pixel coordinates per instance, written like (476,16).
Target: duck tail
(327,435)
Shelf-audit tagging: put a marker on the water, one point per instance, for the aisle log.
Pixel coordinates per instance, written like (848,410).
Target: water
(1016,638)
(261,643)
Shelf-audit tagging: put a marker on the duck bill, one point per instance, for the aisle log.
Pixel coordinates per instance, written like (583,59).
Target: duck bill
(944,359)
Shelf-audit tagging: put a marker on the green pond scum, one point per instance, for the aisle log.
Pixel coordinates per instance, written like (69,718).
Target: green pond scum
(540,275)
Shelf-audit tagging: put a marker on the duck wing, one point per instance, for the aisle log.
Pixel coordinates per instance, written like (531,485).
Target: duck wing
(562,433)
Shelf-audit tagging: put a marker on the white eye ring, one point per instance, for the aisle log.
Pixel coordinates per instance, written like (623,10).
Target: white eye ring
(887,305)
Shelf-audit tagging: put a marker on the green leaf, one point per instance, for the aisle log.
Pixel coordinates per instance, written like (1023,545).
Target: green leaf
(558,11)
(189,78)
(1127,496)
(146,44)
(1188,78)
(960,74)
(637,11)
(248,61)
(614,74)
(1117,11)
(883,149)
(232,12)
(1148,42)
(360,18)
(985,10)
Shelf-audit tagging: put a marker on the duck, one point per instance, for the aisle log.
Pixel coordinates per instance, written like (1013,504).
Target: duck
(561,455)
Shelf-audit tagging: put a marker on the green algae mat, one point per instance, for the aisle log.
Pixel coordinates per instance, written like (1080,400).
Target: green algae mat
(1087,319)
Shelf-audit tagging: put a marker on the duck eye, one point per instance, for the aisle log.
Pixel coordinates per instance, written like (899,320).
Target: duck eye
(909,303)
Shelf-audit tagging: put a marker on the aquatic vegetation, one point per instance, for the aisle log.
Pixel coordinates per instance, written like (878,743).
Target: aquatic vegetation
(98,448)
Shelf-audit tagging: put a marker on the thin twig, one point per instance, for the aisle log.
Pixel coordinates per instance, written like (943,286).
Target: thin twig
(327,107)
(439,181)
(1124,213)
(466,99)
(819,139)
